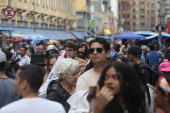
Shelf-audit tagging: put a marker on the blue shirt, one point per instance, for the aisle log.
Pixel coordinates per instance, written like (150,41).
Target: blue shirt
(153,58)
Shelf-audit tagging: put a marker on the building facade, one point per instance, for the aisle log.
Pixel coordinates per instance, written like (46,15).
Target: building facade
(55,19)
(143,15)
(49,14)
(114,9)
(83,13)
(97,10)
(124,14)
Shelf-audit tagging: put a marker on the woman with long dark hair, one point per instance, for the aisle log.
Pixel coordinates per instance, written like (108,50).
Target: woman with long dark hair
(118,91)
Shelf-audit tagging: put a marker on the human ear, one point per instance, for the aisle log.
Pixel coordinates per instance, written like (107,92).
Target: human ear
(24,84)
(108,53)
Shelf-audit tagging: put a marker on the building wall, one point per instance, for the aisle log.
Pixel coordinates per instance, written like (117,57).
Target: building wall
(143,15)
(97,15)
(50,14)
(114,9)
(124,14)
(83,14)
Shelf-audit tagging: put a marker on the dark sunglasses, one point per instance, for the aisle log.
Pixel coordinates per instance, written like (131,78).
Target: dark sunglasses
(80,52)
(99,50)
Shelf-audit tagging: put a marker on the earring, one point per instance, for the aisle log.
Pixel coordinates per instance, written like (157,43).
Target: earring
(166,103)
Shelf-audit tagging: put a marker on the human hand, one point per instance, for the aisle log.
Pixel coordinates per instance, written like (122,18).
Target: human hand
(103,97)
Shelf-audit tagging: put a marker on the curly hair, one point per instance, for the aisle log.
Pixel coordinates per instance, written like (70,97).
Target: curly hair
(133,95)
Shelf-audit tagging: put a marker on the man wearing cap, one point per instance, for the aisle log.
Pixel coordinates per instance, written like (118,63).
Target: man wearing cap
(7,91)
(134,55)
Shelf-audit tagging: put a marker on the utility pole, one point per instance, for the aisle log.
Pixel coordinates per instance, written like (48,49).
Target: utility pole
(34,18)
(161,22)
(10,20)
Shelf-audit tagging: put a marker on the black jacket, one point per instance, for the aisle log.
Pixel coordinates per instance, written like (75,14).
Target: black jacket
(56,92)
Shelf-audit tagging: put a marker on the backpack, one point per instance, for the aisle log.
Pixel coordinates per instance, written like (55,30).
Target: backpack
(155,73)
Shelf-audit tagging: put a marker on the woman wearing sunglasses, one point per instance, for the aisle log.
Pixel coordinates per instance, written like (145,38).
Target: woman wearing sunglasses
(162,94)
(118,91)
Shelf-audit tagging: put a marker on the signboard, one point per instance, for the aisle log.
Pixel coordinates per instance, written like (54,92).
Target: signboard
(9,12)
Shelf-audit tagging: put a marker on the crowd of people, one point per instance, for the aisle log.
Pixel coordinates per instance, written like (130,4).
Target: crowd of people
(107,78)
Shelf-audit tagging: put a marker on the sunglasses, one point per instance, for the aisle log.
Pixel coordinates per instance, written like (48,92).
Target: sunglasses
(80,52)
(99,50)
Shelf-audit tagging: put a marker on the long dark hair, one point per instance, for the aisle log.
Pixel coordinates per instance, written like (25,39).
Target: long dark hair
(132,93)
(142,80)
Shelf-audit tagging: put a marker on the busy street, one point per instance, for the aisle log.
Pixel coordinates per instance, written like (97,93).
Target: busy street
(84,56)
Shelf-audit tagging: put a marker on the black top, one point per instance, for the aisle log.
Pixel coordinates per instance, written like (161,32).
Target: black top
(56,92)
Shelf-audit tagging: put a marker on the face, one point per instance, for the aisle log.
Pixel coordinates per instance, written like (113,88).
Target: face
(17,84)
(81,52)
(98,55)
(71,78)
(159,98)
(52,63)
(70,52)
(29,53)
(22,52)
(112,81)
(40,49)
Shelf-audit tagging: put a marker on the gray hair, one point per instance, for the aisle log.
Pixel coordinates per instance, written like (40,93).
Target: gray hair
(65,66)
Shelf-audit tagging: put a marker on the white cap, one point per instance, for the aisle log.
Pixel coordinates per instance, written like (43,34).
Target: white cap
(144,47)
(2,56)
(51,47)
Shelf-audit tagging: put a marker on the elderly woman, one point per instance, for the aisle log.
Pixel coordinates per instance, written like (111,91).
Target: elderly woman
(60,90)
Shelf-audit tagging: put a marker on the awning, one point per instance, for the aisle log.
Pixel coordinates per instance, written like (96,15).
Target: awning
(59,35)
(77,35)
(2,29)
(83,34)
(52,34)
(90,33)
(68,35)
(150,37)
(107,31)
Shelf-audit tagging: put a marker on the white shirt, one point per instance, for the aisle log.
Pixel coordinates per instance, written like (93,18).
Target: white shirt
(25,60)
(87,79)
(33,105)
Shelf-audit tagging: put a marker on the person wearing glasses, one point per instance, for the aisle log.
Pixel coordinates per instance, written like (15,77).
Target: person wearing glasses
(71,49)
(99,52)
(82,51)
(61,89)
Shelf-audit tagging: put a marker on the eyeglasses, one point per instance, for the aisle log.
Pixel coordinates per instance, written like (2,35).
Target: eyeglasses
(80,52)
(69,50)
(99,50)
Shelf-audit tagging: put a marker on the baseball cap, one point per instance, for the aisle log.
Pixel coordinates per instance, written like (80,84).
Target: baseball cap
(144,47)
(165,66)
(2,56)
(135,50)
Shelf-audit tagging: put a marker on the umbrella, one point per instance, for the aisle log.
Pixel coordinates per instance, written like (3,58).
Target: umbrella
(129,35)
(36,38)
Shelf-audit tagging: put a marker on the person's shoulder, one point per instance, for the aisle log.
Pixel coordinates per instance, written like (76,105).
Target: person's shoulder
(87,73)
(143,64)
(11,107)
